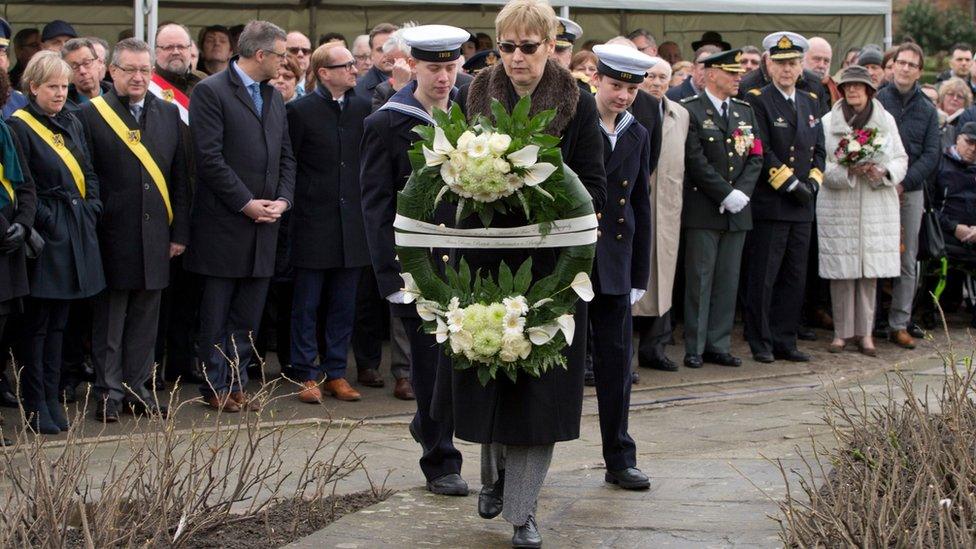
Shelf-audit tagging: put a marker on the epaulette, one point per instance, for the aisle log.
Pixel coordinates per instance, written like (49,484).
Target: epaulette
(742,102)
(689,99)
(813,95)
(755,91)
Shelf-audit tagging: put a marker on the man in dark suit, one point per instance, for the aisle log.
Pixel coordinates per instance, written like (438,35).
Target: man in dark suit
(137,151)
(723,159)
(382,60)
(387,138)
(328,240)
(788,123)
(623,253)
(246,177)
(693,85)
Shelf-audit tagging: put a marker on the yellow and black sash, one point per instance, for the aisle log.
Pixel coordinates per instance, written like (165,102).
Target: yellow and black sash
(57,144)
(133,140)
(8,187)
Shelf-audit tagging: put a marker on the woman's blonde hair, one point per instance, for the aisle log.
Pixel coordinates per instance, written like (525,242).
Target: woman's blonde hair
(680,66)
(44,66)
(526,17)
(958,85)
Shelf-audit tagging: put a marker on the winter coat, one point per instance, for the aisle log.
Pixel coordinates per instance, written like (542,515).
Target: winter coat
(858,224)
(13,264)
(918,127)
(954,195)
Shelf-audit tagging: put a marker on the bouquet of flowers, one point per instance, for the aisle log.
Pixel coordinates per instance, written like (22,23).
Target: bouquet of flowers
(859,146)
(508,323)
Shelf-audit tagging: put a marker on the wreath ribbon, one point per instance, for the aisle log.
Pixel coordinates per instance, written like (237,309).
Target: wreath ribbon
(577,231)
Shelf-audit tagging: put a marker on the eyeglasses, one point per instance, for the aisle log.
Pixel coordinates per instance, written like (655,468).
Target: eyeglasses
(528,48)
(362,57)
(87,63)
(347,65)
(131,71)
(906,64)
(295,50)
(279,54)
(173,47)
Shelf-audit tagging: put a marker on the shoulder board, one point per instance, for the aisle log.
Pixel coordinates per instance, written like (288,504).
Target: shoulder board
(742,102)
(689,99)
(755,91)
(813,95)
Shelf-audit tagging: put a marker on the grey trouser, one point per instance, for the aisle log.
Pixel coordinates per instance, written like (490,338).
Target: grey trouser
(853,306)
(903,289)
(525,470)
(712,262)
(123,341)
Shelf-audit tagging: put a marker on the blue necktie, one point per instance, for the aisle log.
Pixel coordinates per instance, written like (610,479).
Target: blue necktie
(136,111)
(255,89)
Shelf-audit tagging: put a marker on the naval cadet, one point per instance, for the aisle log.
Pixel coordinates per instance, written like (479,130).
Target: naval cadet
(622,266)
(387,137)
(723,159)
(777,248)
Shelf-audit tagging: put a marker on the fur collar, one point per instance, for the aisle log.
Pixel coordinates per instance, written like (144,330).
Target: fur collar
(556,90)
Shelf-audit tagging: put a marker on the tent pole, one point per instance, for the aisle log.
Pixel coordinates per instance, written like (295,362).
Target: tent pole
(312,15)
(888,38)
(153,23)
(564,12)
(139,30)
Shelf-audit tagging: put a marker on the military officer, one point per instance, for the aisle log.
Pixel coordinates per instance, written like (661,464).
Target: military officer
(384,168)
(623,254)
(723,159)
(807,82)
(782,204)
(567,33)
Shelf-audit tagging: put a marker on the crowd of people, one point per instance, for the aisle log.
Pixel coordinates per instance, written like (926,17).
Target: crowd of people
(194,204)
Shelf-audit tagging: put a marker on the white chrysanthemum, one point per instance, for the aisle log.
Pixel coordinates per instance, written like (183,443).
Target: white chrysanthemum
(478,147)
(516,305)
(514,323)
(461,342)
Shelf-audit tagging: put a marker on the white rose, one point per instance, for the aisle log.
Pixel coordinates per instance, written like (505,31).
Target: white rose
(853,146)
(517,345)
(461,342)
(502,166)
(478,147)
(499,143)
(507,355)
(464,140)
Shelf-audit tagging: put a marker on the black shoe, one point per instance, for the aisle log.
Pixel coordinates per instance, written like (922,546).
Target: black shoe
(589,379)
(661,363)
(722,359)
(527,535)
(915,331)
(8,399)
(634,378)
(40,421)
(156,383)
(630,478)
(806,334)
(448,485)
(57,414)
(693,361)
(792,355)
(107,411)
(147,408)
(764,356)
(490,498)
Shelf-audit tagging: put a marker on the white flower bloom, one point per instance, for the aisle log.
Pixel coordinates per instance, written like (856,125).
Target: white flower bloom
(478,147)
(582,286)
(853,146)
(464,141)
(524,157)
(449,173)
(461,342)
(507,355)
(442,333)
(427,310)
(432,158)
(517,345)
(538,173)
(409,288)
(441,144)
(567,324)
(540,335)
(541,302)
(455,317)
(499,143)
(513,322)
(516,305)
(459,159)
(501,166)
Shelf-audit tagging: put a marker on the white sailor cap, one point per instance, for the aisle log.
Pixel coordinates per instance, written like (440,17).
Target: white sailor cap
(622,62)
(567,32)
(785,45)
(435,43)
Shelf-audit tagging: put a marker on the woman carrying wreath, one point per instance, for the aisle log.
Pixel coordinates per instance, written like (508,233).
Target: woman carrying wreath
(518,423)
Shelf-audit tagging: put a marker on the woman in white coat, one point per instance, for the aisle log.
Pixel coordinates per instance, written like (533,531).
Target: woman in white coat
(858,224)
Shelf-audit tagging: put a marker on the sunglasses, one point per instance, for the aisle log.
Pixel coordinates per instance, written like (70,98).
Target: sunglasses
(528,48)
(295,50)
(347,65)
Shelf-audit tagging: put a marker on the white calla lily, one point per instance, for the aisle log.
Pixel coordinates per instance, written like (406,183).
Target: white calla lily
(524,157)
(441,334)
(432,158)
(583,286)
(410,288)
(541,302)
(441,144)
(428,310)
(567,324)
(538,173)
(540,335)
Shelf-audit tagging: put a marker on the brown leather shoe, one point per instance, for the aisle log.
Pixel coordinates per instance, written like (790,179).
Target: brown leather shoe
(403,390)
(310,393)
(370,378)
(340,389)
(245,400)
(223,403)
(902,338)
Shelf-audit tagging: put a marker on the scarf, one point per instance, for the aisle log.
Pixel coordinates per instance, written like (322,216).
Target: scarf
(12,171)
(857,120)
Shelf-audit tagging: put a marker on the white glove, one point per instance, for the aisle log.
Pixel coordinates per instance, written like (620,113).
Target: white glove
(636,295)
(398,298)
(735,201)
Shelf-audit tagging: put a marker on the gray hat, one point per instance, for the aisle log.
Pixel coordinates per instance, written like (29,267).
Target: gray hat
(870,55)
(856,73)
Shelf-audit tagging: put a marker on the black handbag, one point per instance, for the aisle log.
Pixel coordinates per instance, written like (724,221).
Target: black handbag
(931,241)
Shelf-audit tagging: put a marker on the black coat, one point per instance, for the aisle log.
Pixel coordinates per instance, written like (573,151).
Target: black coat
(367,83)
(70,266)
(793,150)
(918,126)
(682,91)
(13,265)
(808,82)
(134,231)
(954,195)
(713,168)
(623,249)
(547,409)
(240,155)
(326,225)
(647,110)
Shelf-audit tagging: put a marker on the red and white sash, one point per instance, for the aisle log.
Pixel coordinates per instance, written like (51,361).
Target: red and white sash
(162,89)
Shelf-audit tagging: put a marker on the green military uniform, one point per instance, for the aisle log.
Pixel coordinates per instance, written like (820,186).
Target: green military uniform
(723,154)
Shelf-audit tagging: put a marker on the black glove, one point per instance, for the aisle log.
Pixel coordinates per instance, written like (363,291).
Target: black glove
(14,239)
(799,192)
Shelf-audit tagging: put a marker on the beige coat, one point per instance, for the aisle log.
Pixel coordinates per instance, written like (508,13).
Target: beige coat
(858,224)
(667,186)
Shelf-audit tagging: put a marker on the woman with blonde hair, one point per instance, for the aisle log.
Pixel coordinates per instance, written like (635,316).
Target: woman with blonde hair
(955,97)
(680,72)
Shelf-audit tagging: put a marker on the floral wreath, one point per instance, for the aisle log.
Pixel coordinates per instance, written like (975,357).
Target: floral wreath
(510,322)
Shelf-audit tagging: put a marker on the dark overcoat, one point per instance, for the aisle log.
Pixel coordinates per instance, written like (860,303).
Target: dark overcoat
(366,84)
(547,409)
(683,90)
(240,155)
(134,231)
(326,225)
(623,249)
(647,110)
(13,265)
(70,265)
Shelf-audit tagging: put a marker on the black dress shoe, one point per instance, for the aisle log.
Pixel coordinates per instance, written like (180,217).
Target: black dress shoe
(792,355)
(448,485)
(107,411)
(693,361)
(630,478)
(490,498)
(722,359)
(764,356)
(661,363)
(527,535)
(806,334)
(589,379)
(8,399)
(915,331)
(370,377)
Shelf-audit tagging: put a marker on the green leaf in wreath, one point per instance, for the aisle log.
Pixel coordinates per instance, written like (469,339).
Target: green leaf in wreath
(502,119)
(540,121)
(464,277)
(546,141)
(425,132)
(523,278)
(452,277)
(505,279)
(484,376)
(457,116)
(521,111)
(486,215)
(543,288)
(512,374)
